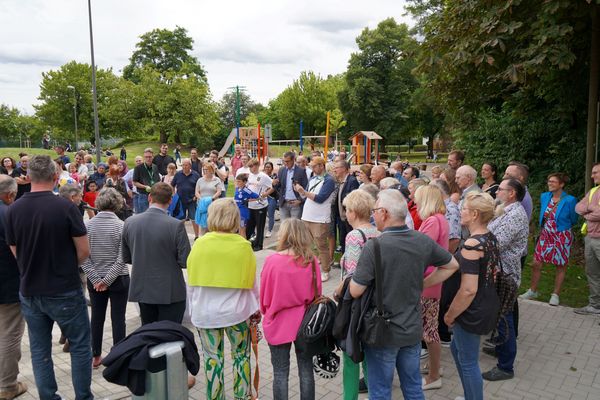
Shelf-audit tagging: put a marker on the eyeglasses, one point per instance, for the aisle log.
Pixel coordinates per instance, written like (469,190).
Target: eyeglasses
(375,209)
(503,189)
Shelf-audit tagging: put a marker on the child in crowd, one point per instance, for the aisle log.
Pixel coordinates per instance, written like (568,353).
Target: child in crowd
(171,169)
(73,172)
(89,197)
(242,196)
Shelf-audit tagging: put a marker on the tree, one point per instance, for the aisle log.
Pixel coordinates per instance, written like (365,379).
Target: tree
(181,109)
(510,65)
(15,126)
(164,51)
(57,101)
(379,82)
(308,99)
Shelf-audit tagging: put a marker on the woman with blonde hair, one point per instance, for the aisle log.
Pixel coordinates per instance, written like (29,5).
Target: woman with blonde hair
(223,295)
(474,304)
(432,211)
(171,170)
(286,289)
(436,171)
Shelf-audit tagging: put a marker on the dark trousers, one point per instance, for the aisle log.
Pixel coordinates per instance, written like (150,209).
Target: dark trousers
(443,330)
(117,293)
(257,221)
(162,312)
(280,359)
(343,228)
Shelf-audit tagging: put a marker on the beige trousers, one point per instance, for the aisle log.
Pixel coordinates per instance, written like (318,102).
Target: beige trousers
(320,233)
(12,327)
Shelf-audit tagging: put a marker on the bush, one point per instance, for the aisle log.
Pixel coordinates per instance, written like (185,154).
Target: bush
(419,147)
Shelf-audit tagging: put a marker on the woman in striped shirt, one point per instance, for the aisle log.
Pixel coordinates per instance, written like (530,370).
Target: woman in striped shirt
(108,276)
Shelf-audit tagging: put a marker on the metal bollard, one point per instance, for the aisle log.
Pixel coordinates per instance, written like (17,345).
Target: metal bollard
(169,384)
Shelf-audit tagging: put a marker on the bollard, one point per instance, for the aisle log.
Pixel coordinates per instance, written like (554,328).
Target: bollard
(171,383)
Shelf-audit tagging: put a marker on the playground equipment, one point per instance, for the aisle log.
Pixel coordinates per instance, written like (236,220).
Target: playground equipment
(252,139)
(361,146)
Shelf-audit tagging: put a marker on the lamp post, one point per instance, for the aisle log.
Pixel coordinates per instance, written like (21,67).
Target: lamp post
(94,94)
(75,115)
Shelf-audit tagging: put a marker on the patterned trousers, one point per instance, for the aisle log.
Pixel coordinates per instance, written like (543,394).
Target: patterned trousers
(212,341)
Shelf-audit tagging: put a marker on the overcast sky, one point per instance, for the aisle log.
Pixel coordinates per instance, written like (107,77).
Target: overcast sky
(261,44)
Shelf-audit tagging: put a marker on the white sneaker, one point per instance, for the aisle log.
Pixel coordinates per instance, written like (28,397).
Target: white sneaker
(268,234)
(554,300)
(324,276)
(529,295)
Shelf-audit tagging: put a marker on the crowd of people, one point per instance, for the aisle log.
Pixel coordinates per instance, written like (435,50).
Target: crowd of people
(429,247)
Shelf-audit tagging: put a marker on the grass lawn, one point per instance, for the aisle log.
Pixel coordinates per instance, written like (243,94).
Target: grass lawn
(574,292)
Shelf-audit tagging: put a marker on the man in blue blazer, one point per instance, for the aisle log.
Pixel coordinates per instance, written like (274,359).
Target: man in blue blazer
(290,201)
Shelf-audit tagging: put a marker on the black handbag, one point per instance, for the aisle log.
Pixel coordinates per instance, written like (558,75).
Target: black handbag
(315,333)
(375,327)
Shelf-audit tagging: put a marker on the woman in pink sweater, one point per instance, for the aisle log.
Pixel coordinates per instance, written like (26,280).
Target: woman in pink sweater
(432,210)
(286,289)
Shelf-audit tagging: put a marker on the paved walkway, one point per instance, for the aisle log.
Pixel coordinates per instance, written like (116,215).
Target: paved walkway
(558,358)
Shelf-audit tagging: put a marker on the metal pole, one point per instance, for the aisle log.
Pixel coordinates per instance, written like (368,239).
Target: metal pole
(94,94)
(327,133)
(237,112)
(301,138)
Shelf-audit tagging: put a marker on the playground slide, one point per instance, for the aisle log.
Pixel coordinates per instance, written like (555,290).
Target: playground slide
(228,142)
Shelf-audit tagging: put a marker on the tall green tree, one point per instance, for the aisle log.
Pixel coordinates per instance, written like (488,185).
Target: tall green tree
(379,82)
(510,69)
(308,99)
(165,51)
(57,101)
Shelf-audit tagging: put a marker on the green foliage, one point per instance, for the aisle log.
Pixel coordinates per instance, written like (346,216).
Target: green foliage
(57,101)
(15,126)
(539,140)
(379,82)
(511,77)
(308,99)
(164,51)
(227,109)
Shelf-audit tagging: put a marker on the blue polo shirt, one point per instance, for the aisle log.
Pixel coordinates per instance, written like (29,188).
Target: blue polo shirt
(186,185)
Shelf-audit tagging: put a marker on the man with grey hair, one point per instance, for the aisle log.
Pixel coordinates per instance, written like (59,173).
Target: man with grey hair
(11,318)
(47,236)
(377,174)
(402,255)
(466,177)
(302,161)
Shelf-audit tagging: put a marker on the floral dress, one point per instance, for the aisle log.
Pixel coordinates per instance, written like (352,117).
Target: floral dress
(553,247)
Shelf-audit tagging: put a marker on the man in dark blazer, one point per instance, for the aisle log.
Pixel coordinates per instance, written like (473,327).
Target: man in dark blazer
(157,246)
(290,201)
(348,183)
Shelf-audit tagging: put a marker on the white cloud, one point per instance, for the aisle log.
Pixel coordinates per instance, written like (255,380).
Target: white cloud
(262,45)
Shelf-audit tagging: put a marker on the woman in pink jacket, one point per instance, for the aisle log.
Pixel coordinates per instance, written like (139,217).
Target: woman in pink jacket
(432,210)
(286,289)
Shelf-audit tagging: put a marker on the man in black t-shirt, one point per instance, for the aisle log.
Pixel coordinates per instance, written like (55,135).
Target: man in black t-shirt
(163,159)
(144,176)
(49,240)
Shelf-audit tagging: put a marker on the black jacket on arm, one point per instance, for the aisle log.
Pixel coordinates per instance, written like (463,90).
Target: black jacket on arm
(127,362)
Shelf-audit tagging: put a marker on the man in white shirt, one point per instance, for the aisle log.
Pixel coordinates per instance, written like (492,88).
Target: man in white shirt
(316,213)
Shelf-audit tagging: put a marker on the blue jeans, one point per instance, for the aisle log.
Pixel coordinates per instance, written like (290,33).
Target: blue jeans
(507,352)
(380,367)
(70,312)
(465,351)
(271,213)
(140,203)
